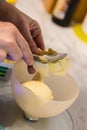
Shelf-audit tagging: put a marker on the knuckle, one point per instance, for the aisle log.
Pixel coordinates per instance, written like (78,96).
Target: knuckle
(12,27)
(34,24)
(11,44)
(35,29)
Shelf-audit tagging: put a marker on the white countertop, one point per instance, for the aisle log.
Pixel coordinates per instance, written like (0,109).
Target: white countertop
(63,40)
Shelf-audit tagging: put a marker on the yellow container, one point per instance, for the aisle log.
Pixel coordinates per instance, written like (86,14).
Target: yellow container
(11,1)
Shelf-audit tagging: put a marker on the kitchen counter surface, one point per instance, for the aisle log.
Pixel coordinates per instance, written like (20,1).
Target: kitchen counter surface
(63,40)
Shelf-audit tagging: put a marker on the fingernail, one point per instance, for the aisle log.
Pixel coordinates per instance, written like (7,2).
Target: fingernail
(31,69)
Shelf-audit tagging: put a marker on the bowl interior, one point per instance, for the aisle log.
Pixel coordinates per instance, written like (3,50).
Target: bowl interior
(65,91)
(63,87)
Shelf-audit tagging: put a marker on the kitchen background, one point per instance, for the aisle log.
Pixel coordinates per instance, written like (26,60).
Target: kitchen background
(71,39)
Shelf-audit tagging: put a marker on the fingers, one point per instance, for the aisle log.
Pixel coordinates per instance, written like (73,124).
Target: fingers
(27,54)
(33,45)
(35,41)
(39,41)
(2,55)
(13,44)
(36,34)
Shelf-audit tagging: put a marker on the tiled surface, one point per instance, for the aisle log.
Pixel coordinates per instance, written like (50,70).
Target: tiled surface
(63,40)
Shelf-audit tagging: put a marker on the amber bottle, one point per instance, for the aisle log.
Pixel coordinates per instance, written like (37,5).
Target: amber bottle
(63,11)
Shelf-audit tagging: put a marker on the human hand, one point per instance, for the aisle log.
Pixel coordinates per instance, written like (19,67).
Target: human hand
(13,44)
(28,27)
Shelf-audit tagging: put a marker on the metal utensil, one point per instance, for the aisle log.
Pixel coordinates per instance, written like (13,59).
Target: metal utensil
(49,58)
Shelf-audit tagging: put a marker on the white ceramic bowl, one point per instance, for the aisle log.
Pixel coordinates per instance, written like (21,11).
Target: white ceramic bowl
(65,91)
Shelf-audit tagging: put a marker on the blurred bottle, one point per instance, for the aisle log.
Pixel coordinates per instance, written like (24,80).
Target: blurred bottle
(81,11)
(49,5)
(63,11)
(11,1)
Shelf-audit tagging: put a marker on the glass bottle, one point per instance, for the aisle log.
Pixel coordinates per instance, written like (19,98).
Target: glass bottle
(63,11)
